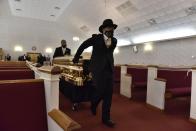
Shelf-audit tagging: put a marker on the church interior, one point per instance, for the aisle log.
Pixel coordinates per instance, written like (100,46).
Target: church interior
(97,65)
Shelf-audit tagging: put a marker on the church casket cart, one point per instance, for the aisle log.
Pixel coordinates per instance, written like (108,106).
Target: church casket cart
(75,81)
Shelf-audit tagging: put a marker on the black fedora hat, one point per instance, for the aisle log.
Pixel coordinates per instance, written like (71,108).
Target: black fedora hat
(107,23)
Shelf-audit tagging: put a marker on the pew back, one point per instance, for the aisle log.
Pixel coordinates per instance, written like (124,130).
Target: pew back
(117,73)
(139,75)
(16,74)
(13,64)
(23,106)
(175,78)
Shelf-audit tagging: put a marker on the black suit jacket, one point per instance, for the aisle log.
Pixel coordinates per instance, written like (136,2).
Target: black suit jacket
(59,52)
(101,55)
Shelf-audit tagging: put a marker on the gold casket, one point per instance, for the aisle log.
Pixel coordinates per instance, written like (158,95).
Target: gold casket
(76,74)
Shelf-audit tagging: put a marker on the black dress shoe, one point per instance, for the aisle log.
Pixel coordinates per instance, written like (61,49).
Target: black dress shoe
(109,123)
(93,110)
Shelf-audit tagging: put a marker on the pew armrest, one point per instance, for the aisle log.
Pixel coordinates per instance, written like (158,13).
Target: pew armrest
(125,85)
(160,79)
(156,94)
(64,121)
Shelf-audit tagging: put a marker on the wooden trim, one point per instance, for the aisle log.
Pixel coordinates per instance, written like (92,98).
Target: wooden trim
(12,67)
(21,81)
(26,70)
(192,120)
(45,71)
(63,120)
(154,108)
(160,79)
(137,66)
(128,75)
(155,66)
(168,95)
(194,68)
(54,70)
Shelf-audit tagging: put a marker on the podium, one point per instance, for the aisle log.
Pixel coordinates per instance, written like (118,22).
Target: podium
(1,53)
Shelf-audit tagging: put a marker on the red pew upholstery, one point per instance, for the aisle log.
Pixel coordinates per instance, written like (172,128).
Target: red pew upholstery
(177,82)
(23,105)
(16,74)
(13,68)
(117,72)
(139,76)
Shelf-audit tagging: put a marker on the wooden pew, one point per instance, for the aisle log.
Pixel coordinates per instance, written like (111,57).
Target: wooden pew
(22,105)
(13,64)
(24,108)
(167,82)
(178,82)
(139,76)
(117,69)
(16,74)
(133,78)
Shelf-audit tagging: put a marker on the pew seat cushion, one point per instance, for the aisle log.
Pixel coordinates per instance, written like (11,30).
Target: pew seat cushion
(180,91)
(140,84)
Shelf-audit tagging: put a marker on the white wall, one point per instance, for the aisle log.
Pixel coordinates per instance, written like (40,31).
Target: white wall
(31,32)
(175,52)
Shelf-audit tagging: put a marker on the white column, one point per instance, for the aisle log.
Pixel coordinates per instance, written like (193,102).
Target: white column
(155,89)
(152,74)
(125,82)
(51,83)
(193,96)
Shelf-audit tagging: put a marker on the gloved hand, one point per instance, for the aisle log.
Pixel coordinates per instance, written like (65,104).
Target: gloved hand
(75,60)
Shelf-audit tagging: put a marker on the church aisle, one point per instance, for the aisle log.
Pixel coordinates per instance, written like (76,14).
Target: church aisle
(130,115)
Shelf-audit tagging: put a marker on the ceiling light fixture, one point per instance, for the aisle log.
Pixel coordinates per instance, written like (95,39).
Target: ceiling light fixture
(57,8)
(18,48)
(164,35)
(152,21)
(122,42)
(75,38)
(19,9)
(191,10)
(148,47)
(48,50)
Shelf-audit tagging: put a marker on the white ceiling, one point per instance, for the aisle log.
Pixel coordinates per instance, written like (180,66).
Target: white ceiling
(83,18)
(48,10)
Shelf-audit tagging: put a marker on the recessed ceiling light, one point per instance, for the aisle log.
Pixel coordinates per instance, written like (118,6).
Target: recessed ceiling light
(57,8)
(152,21)
(75,38)
(19,9)
(52,15)
(191,10)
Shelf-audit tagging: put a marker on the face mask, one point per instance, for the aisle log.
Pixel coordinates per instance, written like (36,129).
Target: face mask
(109,34)
(64,46)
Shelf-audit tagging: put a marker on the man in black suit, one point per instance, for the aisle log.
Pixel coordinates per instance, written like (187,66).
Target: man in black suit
(101,67)
(63,50)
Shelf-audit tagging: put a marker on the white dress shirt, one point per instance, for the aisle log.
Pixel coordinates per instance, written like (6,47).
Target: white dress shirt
(63,49)
(108,41)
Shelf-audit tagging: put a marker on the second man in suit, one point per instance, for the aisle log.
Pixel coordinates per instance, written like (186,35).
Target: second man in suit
(63,50)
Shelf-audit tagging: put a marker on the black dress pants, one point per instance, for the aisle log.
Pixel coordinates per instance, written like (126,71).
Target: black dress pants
(103,91)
